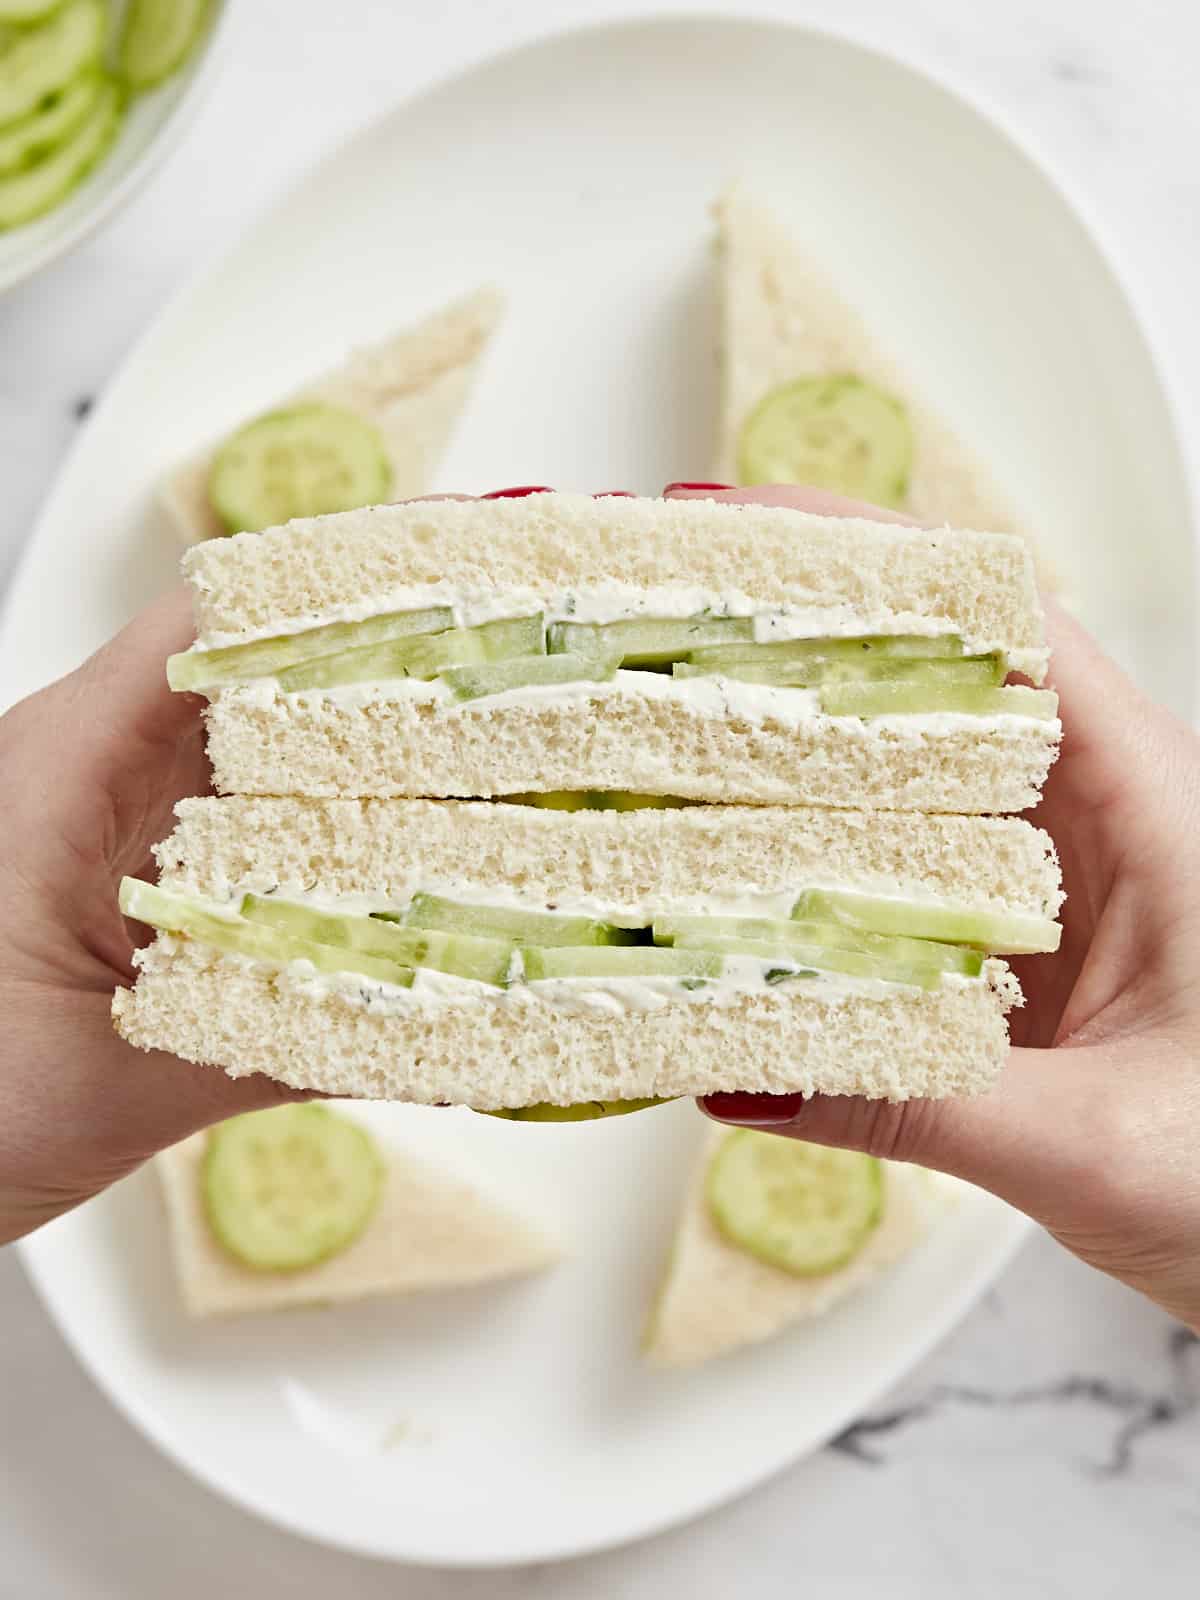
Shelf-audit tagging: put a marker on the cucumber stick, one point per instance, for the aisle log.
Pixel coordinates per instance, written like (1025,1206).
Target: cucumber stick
(917,699)
(36,136)
(34,190)
(800,1207)
(785,960)
(826,934)
(527,672)
(887,646)
(838,433)
(157,38)
(290,1187)
(629,961)
(40,62)
(982,671)
(420,656)
(999,932)
(648,642)
(511,923)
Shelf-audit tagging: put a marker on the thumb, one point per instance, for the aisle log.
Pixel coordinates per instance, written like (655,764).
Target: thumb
(1025,1141)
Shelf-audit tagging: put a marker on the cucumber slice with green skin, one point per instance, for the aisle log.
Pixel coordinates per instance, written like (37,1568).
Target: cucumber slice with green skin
(820,935)
(157,39)
(462,955)
(792,960)
(214,925)
(24,12)
(264,658)
(36,136)
(304,461)
(39,62)
(35,190)
(886,646)
(643,642)
(998,932)
(801,1207)
(516,926)
(915,699)
(527,672)
(287,1188)
(585,1111)
(639,961)
(422,656)
(838,433)
(978,670)
(597,800)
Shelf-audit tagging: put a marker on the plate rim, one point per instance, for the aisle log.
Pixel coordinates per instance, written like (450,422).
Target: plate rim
(1144,325)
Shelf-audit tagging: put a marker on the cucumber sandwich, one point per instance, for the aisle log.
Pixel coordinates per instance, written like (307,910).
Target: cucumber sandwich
(301,1205)
(508,957)
(373,428)
(695,649)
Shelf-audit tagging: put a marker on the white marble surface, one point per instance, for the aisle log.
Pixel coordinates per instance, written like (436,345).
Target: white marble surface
(1050,1447)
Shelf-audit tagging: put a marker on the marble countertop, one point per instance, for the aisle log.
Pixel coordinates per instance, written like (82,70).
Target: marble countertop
(1051,1445)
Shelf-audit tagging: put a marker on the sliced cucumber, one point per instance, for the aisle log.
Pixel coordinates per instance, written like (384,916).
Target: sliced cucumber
(216,926)
(641,642)
(801,1207)
(36,136)
(585,1111)
(264,658)
(421,656)
(24,12)
(287,1188)
(999,932)
(157,38)
(528,672)
(637,961)
(838,433)
(514,925)
(35,190)
(980,670)
(42,61)
(788,959)
(823,934)
(462,955)
(914,699)
(597,800)
(888,646)
(301,462)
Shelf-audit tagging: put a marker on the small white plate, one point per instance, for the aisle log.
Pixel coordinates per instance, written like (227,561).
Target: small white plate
(576,173)
(153,125)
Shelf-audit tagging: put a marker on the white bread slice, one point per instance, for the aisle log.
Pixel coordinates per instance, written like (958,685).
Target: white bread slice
(781,319)
(715,1298)
(431,1231)
(412,387)
(897,1044)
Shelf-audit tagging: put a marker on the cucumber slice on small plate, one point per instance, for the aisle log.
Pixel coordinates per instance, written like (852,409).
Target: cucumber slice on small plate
(999,932)
(34,190)
(157,38)
(838,433)
(636,961)
(800,1207)
(39,62)
(648,642)
(36,136)
(290,1187)
(421,656)
(528,672)
(513,924)
(303,461)
(918,699)
(265,658)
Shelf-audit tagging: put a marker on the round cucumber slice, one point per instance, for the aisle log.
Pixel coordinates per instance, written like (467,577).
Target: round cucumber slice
(838,433)
(286,1188)
(800,1207)
(34,190)
(157,38)
(36,136)
(300,462)
(39,62)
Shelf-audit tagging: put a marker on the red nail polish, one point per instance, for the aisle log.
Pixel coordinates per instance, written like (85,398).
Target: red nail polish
(671,486)
(518,493)
(615,494)
(753,1110)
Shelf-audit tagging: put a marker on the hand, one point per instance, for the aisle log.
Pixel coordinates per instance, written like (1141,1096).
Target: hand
(1094,1130)
(90,770)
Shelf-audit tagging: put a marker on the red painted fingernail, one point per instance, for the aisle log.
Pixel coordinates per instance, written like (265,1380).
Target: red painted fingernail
(615,494)
(518,493)
(672,486)
(753,1110)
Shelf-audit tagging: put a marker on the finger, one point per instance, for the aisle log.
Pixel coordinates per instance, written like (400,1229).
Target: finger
(820,502)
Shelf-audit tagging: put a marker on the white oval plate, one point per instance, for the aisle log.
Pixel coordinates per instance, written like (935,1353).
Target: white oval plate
(516,1424)
(153,125)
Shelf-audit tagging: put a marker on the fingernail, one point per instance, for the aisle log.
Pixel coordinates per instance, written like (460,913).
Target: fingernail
(753,1110)
(518,493)
(615,494)
(671,487)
